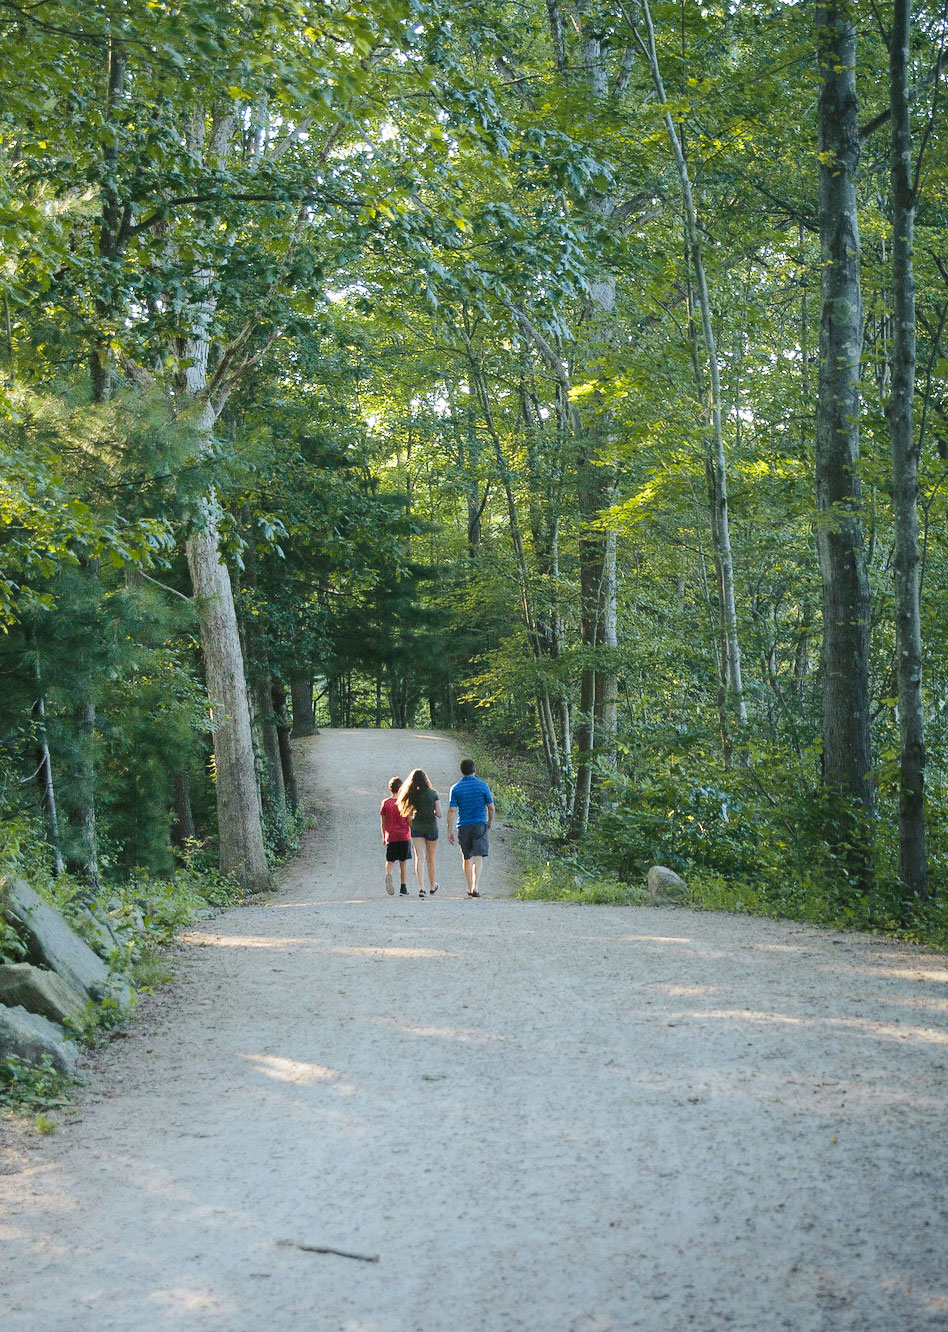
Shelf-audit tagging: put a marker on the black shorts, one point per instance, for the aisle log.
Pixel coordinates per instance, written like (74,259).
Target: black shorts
(429,835)
(397,851)
(472,839)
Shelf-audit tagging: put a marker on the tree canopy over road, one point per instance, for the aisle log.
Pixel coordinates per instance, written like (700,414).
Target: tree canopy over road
(573,374)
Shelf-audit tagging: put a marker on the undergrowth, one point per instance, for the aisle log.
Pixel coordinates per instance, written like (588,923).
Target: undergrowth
(738,849)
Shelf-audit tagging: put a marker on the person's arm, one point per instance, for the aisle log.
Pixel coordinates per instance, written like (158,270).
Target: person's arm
(490,813)
(437,809)
(452,820)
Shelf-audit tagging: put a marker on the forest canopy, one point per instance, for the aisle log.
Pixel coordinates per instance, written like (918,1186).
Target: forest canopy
(571,374)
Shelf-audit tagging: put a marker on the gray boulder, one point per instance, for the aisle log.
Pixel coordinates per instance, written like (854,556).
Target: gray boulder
(99,935)
(53,944)
(29,1037)
(43,992)
(664,885)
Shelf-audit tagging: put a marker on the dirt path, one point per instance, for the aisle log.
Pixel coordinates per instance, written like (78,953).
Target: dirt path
(536,1117)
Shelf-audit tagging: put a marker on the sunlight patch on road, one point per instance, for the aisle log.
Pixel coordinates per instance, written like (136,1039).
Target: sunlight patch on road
(904,973)
(652,938)
(679,990)
(245,940)
(864,1026)
(467,1034)
(178,1299)
(369,950)
(290,1070)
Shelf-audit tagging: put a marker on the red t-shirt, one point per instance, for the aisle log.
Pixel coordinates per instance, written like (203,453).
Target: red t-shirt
(396,827)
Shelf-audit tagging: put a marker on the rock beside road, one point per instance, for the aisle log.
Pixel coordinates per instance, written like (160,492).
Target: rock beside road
(44,992)
(30,1037)
(665,885)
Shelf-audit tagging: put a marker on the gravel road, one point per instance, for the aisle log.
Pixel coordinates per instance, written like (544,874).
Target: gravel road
(359,1113)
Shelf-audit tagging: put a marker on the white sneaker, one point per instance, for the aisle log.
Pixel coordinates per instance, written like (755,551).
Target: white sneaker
(434,889)
(389,886)
(422,893)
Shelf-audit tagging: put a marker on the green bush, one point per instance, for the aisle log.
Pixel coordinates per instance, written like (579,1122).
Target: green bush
(26,1086)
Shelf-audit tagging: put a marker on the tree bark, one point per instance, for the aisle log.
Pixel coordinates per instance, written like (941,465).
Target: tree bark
(847,754)
(717,471)
(301,696)
(242,852)
(184,830)
(82,856)
(239,815)
(912,858)
(286,749)
(45,764)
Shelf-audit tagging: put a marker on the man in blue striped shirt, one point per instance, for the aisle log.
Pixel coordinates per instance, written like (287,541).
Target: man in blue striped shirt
(471,808)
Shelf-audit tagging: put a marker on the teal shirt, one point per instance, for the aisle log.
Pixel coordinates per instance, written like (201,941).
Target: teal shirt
(424,824)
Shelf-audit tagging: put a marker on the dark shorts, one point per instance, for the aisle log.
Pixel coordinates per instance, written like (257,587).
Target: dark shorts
(428,834)
(397,851)
(472,839)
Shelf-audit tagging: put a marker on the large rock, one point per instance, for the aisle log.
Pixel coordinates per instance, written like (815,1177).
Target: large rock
(665,885)
(53,944)
(43,992)
(29,1037)
(99,935)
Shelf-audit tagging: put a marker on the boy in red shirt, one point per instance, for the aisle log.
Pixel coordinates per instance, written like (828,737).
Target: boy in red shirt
(396,835)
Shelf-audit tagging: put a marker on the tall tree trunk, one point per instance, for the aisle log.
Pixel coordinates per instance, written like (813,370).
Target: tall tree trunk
(112,241)
(242,852)
(82,858)
(720,525)
(912,860)
(184,830)
(301,696)
(239,815)
(261,688)
(847,754)
(45,761)
(286,749)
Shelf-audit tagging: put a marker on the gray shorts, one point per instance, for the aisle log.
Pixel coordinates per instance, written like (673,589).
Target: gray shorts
(472,839)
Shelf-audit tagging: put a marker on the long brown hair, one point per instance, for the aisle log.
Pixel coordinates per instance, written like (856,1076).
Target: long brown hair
(412,787)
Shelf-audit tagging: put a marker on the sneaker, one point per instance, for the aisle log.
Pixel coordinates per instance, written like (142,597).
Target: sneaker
(389,886)
(422,893)
(434,889)
(403,891)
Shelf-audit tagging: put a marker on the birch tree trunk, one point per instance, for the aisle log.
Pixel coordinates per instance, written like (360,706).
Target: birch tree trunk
(847,754)
(912,859)
(45,761)
(242,852)
(239,817)
(717,469)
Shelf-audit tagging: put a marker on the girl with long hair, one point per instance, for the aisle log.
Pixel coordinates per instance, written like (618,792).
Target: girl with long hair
(418,801)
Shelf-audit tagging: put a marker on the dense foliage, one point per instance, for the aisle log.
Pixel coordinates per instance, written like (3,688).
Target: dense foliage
(485,343)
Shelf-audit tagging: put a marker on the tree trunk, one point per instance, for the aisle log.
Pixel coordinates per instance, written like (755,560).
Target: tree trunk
(912,860)
(286,749)
(45,762)
(274,791)
(847,755)
(82,858)
(301,696)
(239,821)
(184,830)
(720,522)
(239,816)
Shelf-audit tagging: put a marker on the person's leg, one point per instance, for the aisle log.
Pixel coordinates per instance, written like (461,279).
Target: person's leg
(476,863)
(389,886)
(418,851)
(431,846)
(468,867)
(403,867)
